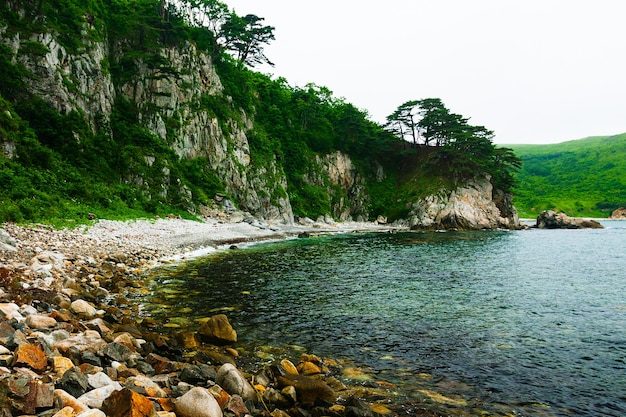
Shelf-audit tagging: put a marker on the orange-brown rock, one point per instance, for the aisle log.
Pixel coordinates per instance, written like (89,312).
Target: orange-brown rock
(308,389)
(31,356)
(39,395)
(218,330)
(619,214)
(289,367)
(127,403)
(308,368)
(187,339)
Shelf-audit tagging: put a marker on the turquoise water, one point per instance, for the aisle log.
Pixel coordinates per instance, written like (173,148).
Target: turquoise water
(524,323)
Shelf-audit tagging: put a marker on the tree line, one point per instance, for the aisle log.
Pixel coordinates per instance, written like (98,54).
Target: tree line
(464,149)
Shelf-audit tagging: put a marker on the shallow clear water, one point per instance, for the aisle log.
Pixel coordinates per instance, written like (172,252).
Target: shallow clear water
(528,322)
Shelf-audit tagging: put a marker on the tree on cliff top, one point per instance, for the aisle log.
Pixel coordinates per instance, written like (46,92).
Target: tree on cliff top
(463,150)
(245,36)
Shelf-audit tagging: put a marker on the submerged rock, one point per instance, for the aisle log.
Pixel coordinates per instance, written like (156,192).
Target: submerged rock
(218,330)
(308,389)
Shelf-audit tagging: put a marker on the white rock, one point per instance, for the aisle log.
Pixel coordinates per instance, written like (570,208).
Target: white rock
(83,308)
(82,342)
(40,322)
(94,412)
(27,310)
(96,397)
(197,402)
(233,382)
(100,379)
(9,309)
(66,400)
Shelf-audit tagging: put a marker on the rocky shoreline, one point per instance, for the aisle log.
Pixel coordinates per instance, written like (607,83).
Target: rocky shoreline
(71,343)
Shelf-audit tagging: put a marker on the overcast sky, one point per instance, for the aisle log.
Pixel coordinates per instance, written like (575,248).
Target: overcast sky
(533,71)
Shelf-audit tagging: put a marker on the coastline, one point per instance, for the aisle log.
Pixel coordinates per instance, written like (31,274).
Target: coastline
(65,316)
(157,240)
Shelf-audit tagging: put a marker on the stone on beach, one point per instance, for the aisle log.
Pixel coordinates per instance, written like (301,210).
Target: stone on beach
(198,402)
(145,386)
(31,356)
(83,309)
(74,382)
(96,397)
(40,322)
(127,403)
(232,380)
(218,330)
(67,400)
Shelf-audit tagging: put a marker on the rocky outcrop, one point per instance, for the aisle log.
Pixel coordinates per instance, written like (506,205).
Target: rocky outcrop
(550,219)
(619,214)
(472,206)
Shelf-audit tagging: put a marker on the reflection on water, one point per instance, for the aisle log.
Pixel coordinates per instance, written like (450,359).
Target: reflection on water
(530,322)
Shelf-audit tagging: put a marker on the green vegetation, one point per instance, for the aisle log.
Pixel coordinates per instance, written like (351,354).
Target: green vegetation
(462,151)
(60,165)
(583,178)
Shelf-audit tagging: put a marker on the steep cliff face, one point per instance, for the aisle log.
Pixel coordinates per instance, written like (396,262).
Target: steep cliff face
(170,99)
(343,183)
(180,99)
(68,82)
(468,207)
(171,106)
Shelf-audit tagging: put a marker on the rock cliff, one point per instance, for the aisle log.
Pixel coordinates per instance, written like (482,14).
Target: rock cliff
(471,206)
(170,89)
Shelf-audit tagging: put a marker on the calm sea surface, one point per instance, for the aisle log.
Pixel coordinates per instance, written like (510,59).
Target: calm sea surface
(524,323)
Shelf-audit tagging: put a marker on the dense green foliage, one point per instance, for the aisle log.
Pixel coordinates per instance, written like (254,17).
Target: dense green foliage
(581,178)
(462,151)
(67,165)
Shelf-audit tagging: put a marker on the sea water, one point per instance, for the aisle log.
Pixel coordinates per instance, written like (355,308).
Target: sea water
(528,322)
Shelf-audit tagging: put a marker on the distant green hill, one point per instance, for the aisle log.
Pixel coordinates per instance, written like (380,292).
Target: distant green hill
(585,177)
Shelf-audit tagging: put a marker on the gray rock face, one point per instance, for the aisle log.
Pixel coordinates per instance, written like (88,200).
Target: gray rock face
(7,242)
(468,207)
(170,106)
(233,382)
(550,219)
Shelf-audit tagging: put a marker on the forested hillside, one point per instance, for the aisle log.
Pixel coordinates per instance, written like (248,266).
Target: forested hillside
(124,108)
(585,177)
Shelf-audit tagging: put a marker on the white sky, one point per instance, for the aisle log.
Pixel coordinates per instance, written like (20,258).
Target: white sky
(533,71)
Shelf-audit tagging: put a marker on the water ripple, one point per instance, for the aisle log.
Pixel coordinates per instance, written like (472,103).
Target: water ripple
(528,322)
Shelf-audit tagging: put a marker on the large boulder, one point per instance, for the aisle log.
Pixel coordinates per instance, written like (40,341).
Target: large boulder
(549,219)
